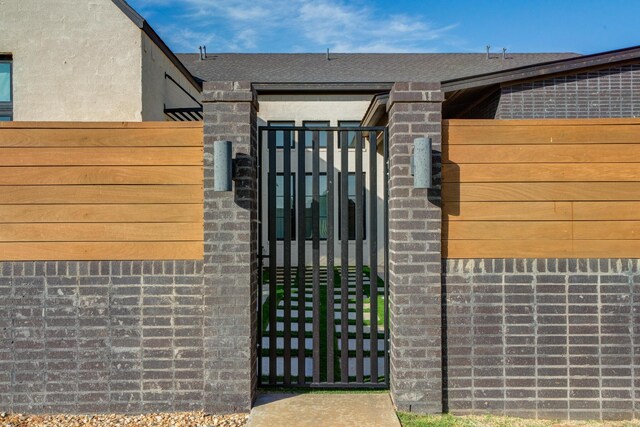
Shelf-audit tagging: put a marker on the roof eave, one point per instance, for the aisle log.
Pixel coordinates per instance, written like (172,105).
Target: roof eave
(376,110)
(329,87)
(543,69)
(142,23)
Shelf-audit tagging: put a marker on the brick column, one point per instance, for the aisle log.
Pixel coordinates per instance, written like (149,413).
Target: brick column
(230,263)
(414,252)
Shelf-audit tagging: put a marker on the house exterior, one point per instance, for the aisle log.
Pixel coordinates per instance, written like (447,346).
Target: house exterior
(95,61)
(508,286)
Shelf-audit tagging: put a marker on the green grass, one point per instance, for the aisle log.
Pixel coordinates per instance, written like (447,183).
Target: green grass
(323,317)
(307,390)
(448,420)
(265,307)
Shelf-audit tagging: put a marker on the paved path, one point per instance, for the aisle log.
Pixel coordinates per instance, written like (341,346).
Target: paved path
(326,410)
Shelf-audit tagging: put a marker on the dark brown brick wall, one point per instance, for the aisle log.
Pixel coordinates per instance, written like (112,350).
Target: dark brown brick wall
(548,338)
(607,93)
(136,337)
(86,337)
(230,264)
(414,252)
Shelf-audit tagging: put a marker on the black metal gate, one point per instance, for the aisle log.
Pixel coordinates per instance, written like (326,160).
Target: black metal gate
(322,301)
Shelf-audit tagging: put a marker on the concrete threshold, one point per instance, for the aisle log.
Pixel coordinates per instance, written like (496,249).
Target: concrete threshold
(323,409)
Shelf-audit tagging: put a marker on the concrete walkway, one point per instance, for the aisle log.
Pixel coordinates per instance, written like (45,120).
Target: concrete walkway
(326,410)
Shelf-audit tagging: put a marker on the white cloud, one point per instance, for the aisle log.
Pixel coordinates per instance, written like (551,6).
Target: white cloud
(296,25)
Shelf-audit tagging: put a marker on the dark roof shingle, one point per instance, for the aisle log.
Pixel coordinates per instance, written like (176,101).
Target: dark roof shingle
(355,67)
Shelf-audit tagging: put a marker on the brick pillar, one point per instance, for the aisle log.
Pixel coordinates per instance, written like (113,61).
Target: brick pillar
(230,263)
(414,252)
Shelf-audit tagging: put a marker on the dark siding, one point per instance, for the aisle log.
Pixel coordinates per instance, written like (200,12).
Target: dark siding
(605,93)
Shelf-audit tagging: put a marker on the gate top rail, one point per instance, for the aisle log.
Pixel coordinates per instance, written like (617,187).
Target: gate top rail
(323,128)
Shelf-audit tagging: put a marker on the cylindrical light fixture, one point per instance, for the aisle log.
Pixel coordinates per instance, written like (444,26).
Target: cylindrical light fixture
(422,152)
(222,166)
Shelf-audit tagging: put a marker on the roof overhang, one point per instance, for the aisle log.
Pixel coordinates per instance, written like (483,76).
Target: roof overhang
(377,110)
(142,23)
(545,69)
(324,88)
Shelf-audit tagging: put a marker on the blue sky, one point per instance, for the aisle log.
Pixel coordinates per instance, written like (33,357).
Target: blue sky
(583,26)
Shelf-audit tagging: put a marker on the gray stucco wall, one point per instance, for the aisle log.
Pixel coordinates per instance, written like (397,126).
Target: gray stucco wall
(547,338)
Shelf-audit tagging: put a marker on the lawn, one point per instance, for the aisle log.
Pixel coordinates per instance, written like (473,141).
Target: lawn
(447,420)
(323,339)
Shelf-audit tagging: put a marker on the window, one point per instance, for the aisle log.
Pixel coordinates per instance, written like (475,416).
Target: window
(322,208)
(280,207)
(6,89)
(322,135)
(280,133)
(351,135)
(351,200)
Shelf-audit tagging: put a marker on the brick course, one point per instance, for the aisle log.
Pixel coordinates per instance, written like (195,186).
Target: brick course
(547,338)
(606,93)
(414,252)
(139,337)
(87,337)
(230,264)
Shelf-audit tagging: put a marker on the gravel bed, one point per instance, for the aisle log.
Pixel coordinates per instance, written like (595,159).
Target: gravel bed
(189,419)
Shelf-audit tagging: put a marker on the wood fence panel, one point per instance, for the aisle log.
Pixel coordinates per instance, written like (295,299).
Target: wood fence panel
(541,188)
(101,191)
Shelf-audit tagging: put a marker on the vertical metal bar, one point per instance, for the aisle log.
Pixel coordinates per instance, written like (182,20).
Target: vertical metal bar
(260,257)
(359,255)
(301,276)
(315,235)
(373,254)
(386,256)
(330,261)
(286,159)
(344,255)
(272,260)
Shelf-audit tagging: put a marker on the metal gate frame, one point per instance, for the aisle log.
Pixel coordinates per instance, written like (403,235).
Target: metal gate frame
(301,268)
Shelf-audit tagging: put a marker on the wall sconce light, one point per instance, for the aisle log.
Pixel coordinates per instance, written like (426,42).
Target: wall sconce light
(222,166)
(421,163)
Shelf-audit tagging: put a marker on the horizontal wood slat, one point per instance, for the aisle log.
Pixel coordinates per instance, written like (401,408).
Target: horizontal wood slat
(602,211)
(609,153)
(541,188)
(541,248)
(540,230)
(102,213)
(541,211)
(480,123)
(101,191)
(102,156)
(504,230)
(575,172)
(506,211)
(100,125)
(151,137)
(89,194)
(542,191)
(124,232)
(606,230)
(106,251)
(100,175)
(541,133)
